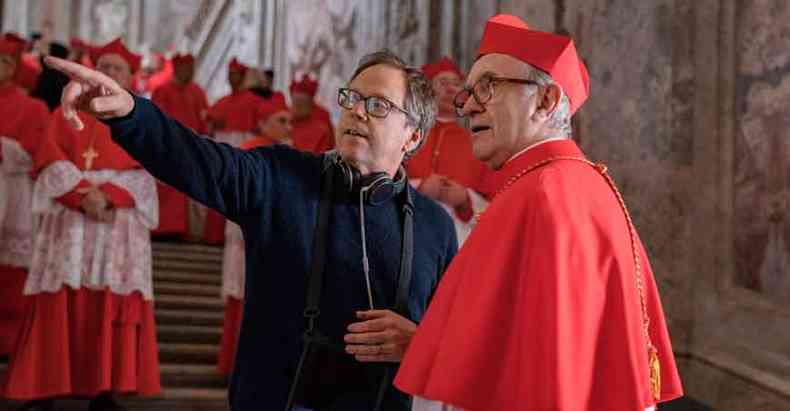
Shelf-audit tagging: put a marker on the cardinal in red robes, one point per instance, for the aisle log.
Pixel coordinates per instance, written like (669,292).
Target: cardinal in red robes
(233,120)
(21,133)
(90,328)
(551,303)
(158,73)
(186,102)
(80,51)
(29,68)
(445,168)
(312,127)
(274,124)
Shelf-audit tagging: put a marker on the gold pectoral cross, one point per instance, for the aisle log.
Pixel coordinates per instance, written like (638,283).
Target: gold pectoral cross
(89,156)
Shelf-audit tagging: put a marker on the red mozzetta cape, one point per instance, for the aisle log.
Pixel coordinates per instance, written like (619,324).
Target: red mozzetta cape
(65,143)
(320,114)
(24,118)
(187,104)
(540,308)
(313,135)
(448,152)
(237,111)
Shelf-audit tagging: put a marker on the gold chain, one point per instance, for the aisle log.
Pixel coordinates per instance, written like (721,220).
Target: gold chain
(437,150)
(601,168)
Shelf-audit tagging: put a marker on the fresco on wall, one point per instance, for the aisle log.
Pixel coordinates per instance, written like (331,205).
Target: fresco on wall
(762,150)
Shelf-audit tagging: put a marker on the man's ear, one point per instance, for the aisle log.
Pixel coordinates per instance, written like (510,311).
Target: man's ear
(548,100)
(413,141)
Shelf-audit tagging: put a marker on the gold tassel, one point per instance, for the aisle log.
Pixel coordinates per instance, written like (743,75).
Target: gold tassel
(655,372)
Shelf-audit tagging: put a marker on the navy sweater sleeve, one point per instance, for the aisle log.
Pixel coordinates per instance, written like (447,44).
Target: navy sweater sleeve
(232,181)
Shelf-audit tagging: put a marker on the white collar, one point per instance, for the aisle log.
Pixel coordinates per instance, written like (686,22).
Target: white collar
(533,146)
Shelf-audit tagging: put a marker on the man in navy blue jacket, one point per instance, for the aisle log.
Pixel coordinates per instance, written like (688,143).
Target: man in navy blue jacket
(273,194)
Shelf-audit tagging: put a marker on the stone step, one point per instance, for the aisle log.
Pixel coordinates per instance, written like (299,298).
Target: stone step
(180,302)
(207,394)
(170,399)
(187,278)
(186,256)
(188,353)
(191,376)
(180,288)
(187,266)
(198,334)
(181,399)
(157,246)
(188,317)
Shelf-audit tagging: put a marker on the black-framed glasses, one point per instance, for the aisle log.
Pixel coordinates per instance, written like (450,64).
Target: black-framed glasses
(483,90)
(375,106)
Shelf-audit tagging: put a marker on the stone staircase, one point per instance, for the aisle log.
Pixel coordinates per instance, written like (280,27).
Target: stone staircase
(189,315)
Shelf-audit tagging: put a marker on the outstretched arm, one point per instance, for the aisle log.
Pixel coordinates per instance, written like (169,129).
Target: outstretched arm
(229,180)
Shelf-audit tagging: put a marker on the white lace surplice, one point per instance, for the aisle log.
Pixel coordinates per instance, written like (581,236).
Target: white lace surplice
(462,228)
(16,193)
(233,263)
(73,250)
(233,255)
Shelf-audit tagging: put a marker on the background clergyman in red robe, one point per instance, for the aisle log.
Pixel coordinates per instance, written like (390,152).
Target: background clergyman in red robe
(445,169)
(186,102)
(24,121)
(274,124)
(312,127)
(89,331)
(232,119)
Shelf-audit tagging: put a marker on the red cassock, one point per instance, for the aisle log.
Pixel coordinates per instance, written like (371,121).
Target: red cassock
(233,285)
(28,72)
(314,134)
(540,310)
(86,339)
(236,113)
(22,129)
(448,152)
(321,114)
(188,105)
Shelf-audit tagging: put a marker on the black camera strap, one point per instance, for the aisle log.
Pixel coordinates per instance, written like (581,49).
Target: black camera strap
(315,282)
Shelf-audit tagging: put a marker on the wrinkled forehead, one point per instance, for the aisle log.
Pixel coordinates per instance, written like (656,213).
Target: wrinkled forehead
(381,80)
(301,96)
(447,76)
(114,60)
(496,65)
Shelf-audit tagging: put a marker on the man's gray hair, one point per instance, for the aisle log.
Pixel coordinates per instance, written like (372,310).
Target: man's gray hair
(420,101)
(560,119)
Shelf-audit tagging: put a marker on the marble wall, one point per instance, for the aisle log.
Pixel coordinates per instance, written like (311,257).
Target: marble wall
(326,39)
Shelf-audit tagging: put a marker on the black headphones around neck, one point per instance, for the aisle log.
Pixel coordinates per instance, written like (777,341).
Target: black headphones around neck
(377,188)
